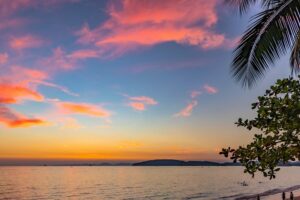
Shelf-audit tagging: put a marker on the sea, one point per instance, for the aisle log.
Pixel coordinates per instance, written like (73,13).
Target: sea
(129,182)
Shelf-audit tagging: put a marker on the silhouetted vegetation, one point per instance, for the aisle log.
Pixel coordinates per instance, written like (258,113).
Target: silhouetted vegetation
(278,118)
(272,33)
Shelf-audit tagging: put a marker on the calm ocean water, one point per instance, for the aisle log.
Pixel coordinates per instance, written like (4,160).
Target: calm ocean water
(136,182)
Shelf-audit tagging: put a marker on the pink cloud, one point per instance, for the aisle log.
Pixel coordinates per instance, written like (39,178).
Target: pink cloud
(137,23)
(83,54)
(12,23)
(83,109)
(25,42)
(8,8)
(144,99)
(140,102)
(210,89)
(3,58)
(61,60)
(187,111)
(15,120)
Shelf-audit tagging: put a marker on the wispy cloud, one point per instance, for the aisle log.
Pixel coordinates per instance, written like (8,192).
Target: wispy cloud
(61,88)
(15,120)
(83,54)
(3,58)
(140,103)
(20,84)
(8,8)
(70,123)
(133,24)
(195,93)
(83,109)
(210,89)
(60,60)
(187,111)
(25,42)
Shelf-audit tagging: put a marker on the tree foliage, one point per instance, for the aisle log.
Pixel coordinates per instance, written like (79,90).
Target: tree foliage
(278,118)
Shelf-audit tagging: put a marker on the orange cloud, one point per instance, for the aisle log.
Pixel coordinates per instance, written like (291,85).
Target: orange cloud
(187,111)
(25,42)
(83,109)
(14,93)
(137,106)
(210,89)
(140,102)
(26,123)
(15,120)
(15,86)
(3,58)
(135,23)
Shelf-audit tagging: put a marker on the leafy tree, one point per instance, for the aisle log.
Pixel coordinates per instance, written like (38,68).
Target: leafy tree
(272,33)
(278,118)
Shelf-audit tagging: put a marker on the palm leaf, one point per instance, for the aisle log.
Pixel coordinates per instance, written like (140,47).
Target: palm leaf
(268,37)
(295,55)
(244,5)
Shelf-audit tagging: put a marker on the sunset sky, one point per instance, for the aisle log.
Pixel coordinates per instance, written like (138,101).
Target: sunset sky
(122,80)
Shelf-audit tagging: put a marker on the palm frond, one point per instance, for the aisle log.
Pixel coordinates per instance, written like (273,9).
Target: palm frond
(295,55)
(244,5)
(268,37)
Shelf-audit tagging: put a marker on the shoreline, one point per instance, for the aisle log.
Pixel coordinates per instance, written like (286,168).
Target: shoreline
(274,194)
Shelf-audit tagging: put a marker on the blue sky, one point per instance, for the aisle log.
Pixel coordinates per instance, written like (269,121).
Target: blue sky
(122,80)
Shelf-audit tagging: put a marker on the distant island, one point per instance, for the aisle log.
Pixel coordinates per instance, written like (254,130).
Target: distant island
(157,162)
(170,162)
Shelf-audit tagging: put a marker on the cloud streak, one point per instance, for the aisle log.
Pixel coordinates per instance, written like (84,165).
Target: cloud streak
(20,84)
(12,119)
(210,89)
(83,109)
(3,58)
(187,111)
(25,42)
(140,103)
